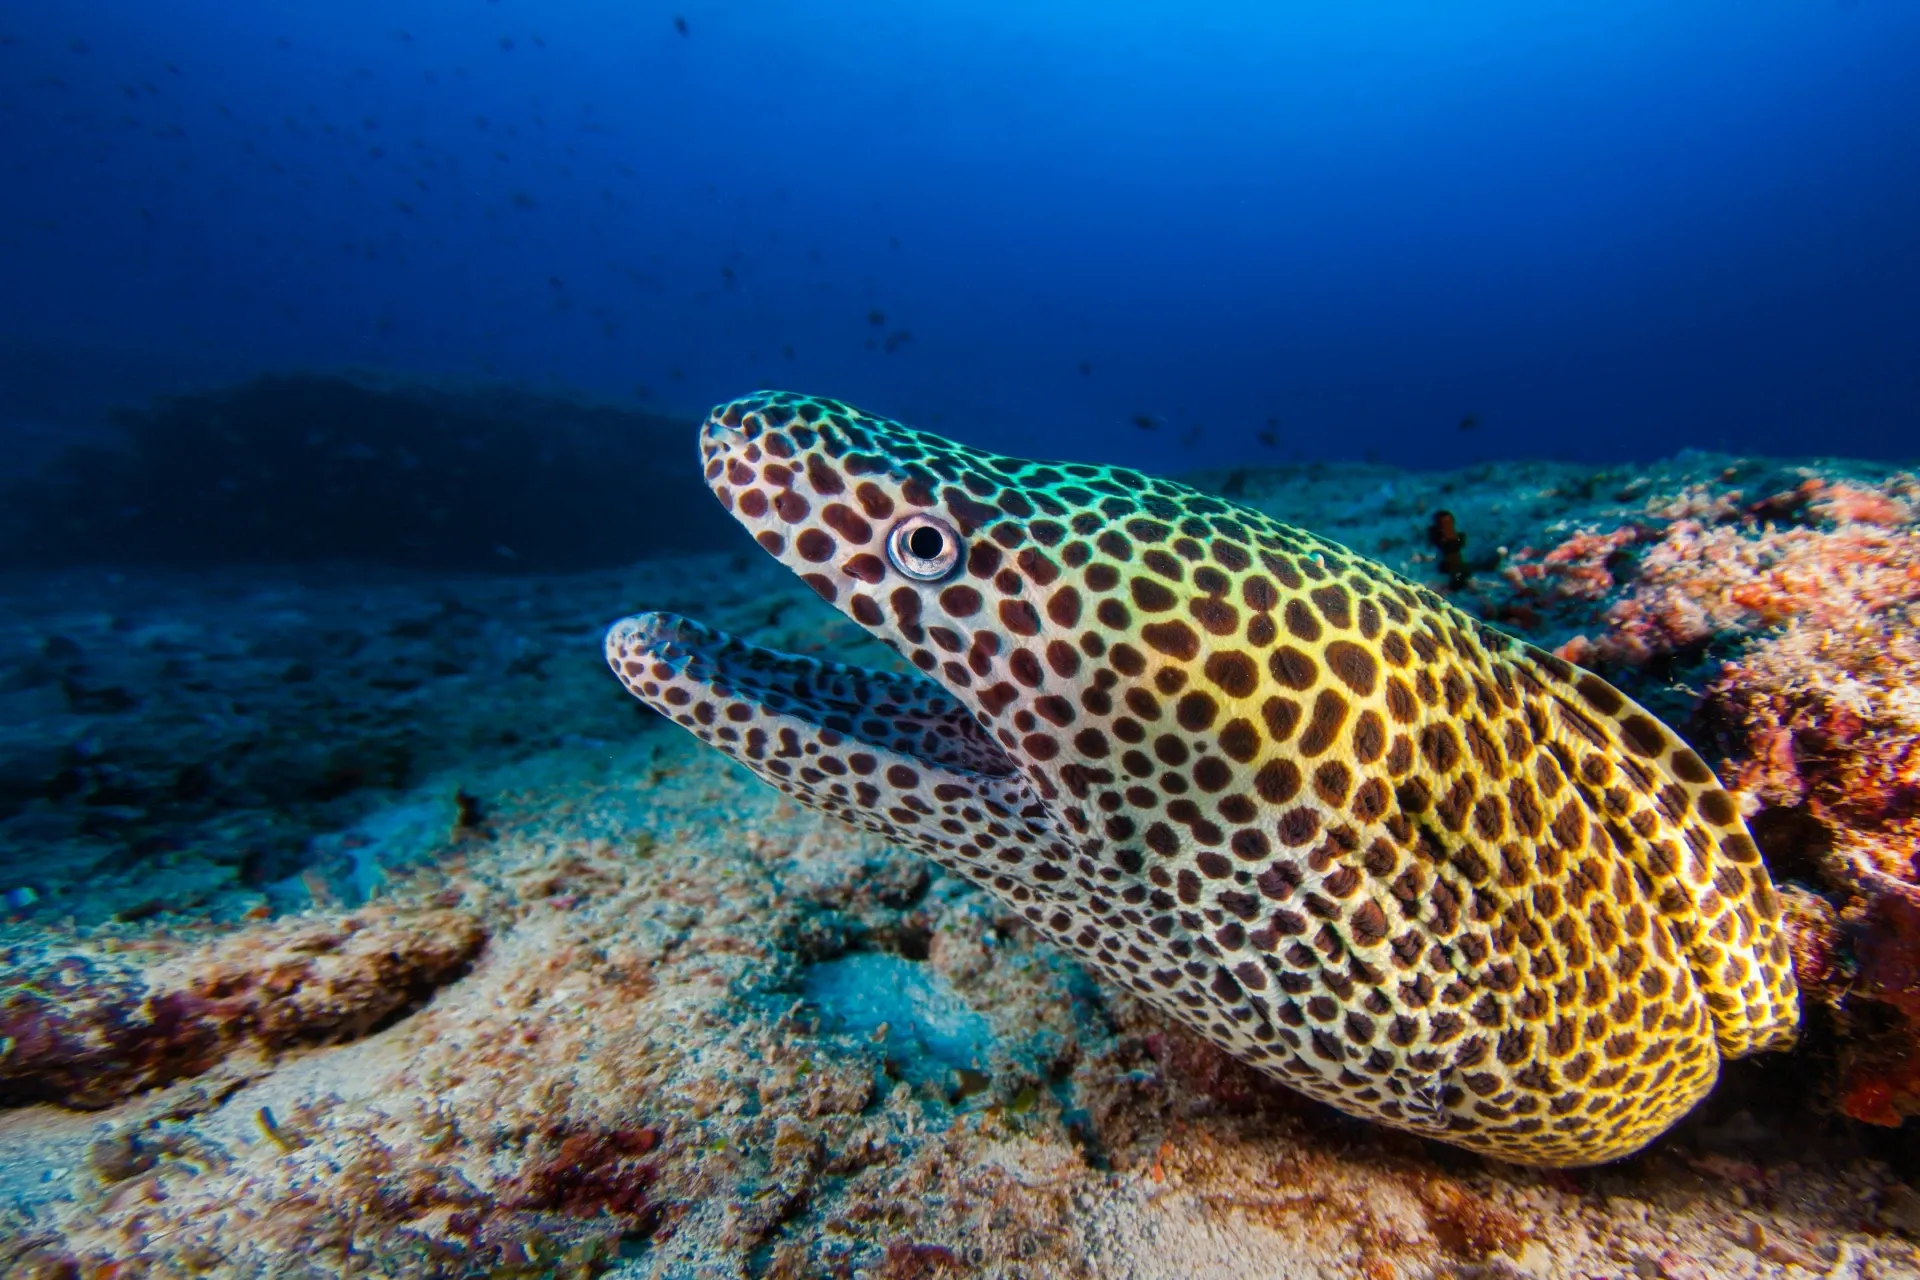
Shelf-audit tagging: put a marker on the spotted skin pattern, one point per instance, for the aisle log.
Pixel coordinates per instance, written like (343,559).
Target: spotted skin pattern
(1405,863)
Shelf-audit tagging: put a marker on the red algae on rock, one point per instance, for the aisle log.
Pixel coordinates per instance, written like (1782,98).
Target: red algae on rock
(87,1024)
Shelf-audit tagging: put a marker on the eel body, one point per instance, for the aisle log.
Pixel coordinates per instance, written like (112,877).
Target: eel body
(1399,860)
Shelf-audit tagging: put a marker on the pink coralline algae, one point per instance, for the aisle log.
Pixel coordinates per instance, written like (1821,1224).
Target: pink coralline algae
(1579,568)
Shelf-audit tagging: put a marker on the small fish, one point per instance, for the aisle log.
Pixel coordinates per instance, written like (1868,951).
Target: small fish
(876,318)
(1145,421)
(1086,368)
(1469,421)
(680,25)
(1268,437)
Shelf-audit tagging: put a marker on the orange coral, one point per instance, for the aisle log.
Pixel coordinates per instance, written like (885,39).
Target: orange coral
(1697,582)
(1846,504)
(1578,568)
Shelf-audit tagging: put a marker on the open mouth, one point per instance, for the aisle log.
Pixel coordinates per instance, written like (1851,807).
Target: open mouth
(725,689)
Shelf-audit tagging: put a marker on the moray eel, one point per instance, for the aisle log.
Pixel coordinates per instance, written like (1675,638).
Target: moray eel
(1403,862)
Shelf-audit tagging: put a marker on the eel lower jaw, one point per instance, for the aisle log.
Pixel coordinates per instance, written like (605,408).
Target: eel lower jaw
(702,677)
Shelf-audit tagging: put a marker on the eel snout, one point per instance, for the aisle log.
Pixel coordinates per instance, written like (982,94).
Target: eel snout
(753,702)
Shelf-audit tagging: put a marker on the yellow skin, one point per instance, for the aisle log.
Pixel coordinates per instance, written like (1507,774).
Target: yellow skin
(1400,861)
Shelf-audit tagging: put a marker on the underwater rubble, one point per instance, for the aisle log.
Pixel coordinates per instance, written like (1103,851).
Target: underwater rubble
(446,958)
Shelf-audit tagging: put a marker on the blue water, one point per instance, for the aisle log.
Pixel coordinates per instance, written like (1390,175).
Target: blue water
(1597,229)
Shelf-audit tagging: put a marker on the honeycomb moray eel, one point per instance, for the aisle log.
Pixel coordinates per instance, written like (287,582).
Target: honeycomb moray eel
(1402,862)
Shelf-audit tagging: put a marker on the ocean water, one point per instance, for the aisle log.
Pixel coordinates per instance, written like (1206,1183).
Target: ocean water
(1602,231)
(355,920)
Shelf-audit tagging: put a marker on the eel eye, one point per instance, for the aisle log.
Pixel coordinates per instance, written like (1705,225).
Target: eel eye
(923,548)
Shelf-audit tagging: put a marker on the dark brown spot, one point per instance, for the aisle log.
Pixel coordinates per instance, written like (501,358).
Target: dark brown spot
(1278,781)
(1234,672)
(874,500)
(1239,740)
(814,545)
(1196,711)
(1019,617)
(1175,639)
(1601,696)
(1335,605)
(1716,806)
(1331,781)
(846,522)
(960,601)
(1370,801)
(1354,665)
(1689,767)
(1282,716)
(1151,596)
(1643,735)
(1441,747)
(1369,737)
(1293,668)
(1298,826)
(1301,622)
(1369,923)
(1329,714)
